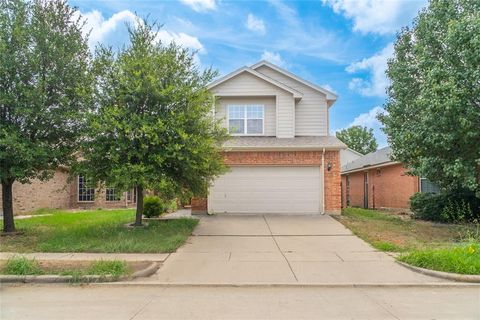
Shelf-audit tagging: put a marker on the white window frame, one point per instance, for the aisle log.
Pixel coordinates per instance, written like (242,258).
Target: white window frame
(78,192)
(245,119)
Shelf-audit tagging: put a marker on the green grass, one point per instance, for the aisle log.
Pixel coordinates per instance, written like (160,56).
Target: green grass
(442,247)
(114,268)
(463,259)
(387,246)
(21,266)
(97,231)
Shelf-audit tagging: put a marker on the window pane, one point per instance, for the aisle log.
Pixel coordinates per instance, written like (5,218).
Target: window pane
(111,195)
(428,187)
(254,126)
(85,191)
(236,112)
(236,126)
(254,112)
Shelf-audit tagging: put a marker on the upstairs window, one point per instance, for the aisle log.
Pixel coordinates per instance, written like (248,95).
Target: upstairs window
(86,193)
(246,119)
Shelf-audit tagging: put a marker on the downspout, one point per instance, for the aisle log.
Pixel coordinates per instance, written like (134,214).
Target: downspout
(323,183)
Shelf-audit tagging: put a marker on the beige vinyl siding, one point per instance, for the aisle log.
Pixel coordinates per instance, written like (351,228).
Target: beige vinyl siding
(248,85)
(311,112)
(285,116)
(267,189)
(221,111)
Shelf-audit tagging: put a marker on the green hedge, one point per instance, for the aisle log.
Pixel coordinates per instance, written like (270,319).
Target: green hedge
(446,207)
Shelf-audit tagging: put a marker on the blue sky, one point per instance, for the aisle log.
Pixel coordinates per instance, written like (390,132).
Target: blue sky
(342,45)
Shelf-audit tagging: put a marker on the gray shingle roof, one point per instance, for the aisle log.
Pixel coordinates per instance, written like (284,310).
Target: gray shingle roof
(371,159)
(274,143)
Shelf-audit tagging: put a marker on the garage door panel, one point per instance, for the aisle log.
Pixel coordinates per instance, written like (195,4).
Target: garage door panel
(267,190)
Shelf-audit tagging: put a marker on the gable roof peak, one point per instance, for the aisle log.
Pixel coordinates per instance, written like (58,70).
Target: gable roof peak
(296,93)
(330,95)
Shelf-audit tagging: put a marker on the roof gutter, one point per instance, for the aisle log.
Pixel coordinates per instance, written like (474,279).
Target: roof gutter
(365,168)
(273,148)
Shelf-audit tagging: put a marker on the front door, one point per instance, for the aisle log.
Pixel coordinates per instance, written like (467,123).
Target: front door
(365,190)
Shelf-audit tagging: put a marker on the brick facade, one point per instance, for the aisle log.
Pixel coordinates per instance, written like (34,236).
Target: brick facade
(57,193)
(53,193)
(290,158)
(388,187)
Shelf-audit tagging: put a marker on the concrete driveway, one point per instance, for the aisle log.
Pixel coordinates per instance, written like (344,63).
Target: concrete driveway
(280,250)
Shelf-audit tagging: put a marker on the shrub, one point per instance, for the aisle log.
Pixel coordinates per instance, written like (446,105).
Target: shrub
(426,206)
(154,206)
(446,207)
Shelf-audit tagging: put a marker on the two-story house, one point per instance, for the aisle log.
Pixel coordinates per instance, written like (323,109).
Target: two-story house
(281,156)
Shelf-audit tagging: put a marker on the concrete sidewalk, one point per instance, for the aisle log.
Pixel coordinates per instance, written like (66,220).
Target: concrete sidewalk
(152,257)
(92,302)
(280,250)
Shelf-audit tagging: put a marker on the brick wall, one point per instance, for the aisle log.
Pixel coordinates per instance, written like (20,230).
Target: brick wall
(388,187)
(52,194)
(57,193)
(100,200)
(308,158)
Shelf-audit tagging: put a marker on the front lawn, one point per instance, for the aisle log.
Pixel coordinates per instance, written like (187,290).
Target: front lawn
(389,232)
(97,231)
(436,246)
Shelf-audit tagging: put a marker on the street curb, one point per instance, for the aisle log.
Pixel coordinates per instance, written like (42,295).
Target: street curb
(146,272)
(298,285)
(442,275)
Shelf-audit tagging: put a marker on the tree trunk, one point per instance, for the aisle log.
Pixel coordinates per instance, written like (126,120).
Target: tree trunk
(7,202)
(139,213)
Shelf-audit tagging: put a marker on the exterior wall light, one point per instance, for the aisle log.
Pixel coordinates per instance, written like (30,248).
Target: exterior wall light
(329,166)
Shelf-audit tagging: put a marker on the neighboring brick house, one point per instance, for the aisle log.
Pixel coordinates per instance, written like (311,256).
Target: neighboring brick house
(281,156)
(375,181)
(60,192)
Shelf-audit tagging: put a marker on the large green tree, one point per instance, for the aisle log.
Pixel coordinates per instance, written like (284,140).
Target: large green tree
(44,91)
(433,108)
(154,120)
(358,138)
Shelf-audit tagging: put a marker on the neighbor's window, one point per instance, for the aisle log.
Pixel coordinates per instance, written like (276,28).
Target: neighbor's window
(112,195)
(86,193)
(245,119)
(427,186)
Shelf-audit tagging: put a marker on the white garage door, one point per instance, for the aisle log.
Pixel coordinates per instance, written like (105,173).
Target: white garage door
(267,190)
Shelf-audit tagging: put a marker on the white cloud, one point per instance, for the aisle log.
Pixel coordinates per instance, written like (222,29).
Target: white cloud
(109,31)
(100,28)
(369,120)
(255,24)
(273,57)
(181,39)
(377,16)
(200,5)
(376,66)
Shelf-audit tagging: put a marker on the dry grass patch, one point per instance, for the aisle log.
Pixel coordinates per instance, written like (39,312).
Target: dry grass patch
(389,232)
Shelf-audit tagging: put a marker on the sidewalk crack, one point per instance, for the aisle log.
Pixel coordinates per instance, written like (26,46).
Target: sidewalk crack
(278,247)
(141,309)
